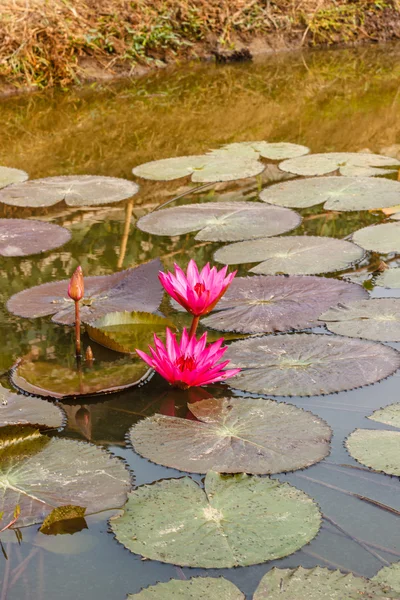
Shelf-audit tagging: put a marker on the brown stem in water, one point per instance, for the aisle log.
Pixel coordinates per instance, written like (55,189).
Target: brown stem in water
(77,330)
(194,325)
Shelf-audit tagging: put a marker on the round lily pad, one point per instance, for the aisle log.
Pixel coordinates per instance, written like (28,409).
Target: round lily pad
(390,415)
(382,238)
(353,164)
(135,289)
(270,150)
(22,237)
(301,255)
(126,331)
(207,168)
(221,221)
(196,588)
(389,576)
(9,176)
(40,473)
(74,190)
(304,364)
(236,520)
(396,217)
(389,278)
(377,319)
(338,193)
(377,449)
(318,584)
(16,409)
(274,303)
(233,435)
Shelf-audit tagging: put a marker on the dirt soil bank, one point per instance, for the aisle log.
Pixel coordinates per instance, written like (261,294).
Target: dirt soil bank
(63,42)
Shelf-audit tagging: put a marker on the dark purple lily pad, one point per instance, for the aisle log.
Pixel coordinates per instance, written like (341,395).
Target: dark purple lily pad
(135,289)
(22,237)
(277,303)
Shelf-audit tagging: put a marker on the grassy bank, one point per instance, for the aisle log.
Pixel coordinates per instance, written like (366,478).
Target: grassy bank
(60,42)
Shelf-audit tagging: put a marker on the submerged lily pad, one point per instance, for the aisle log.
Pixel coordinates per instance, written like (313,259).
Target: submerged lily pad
(377,449)
(297,255)
(22,237)
(382,238)
(390,415)
(41,473)
(389,576)
(236,520)
(196,588)
(304,364)
(16,409)
(352,164)
(135,289)
(233,435)
(318,584)
(207,168)
(49,379)
(276,303)
(9,176)
(126,331)
(338,193)
(389,278)
(221,221)
(74,190)
(377,319)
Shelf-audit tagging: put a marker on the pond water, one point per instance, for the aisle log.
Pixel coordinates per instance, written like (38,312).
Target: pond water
(342,100)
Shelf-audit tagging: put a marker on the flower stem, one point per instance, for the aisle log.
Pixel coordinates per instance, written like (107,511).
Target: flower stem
(77,329)
(193,327)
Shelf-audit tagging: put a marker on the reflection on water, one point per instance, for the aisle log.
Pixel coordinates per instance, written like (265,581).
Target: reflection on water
(328,100)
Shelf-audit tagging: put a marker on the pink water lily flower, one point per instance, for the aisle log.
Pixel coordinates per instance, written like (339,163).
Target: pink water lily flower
(190,362)
(197,292)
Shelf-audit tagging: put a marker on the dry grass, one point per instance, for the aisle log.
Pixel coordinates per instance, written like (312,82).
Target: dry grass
(43,42)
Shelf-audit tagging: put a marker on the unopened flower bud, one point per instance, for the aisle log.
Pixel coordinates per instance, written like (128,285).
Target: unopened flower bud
(76,288)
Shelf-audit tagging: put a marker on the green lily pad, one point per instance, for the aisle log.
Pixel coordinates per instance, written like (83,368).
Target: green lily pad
(236,520)
(389,279)
(351,164)
(22,237)
(389,576)
(338,193)
(390,415)
(74,190)
(41,473)
(196,588)
(377,319)
(9,176)
(50,379)
(16,409)
(270,150)
(318,584)
(233,435)
(277,303)
(126,331)
(382,238)
(221,221)
(294,255)
(304,364)
(377,449)
(135,289)
(60,514)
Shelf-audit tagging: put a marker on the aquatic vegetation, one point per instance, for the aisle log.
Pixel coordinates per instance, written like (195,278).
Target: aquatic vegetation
(196,588)
(189,362)
(22,237)
(389,576)
(389,278)
(16,409)
(350,164)
(383,238)
(76,291)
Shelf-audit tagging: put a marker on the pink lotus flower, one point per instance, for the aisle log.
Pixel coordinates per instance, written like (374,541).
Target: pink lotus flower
(190,362)
(197,292)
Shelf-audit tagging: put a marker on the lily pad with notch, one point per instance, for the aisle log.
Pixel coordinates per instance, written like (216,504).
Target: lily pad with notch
(196,588)
(74,190)
(304,364)
(389,576)
(389,278)
(351,164)
(221,221)
(293,255)
(136,289)
(23,237)
(383,238)
(267,304)
(8,176)
(390,415)
(269,150)
(233,435)
(236,520)
(338,193)
(16,409)
(40,473)
(377,319)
